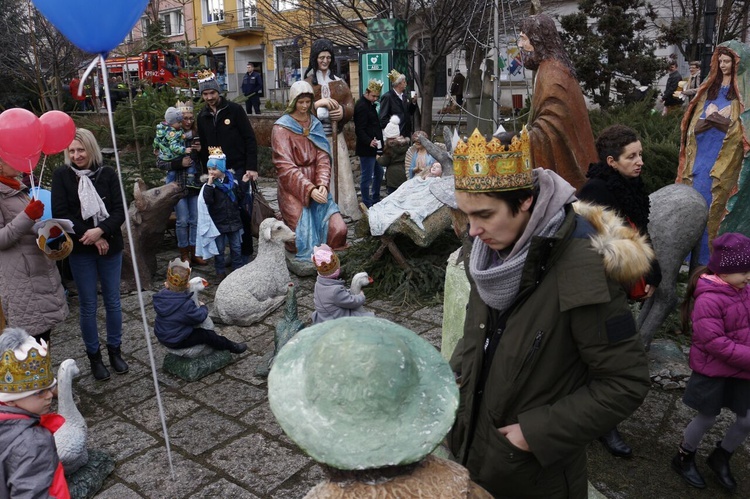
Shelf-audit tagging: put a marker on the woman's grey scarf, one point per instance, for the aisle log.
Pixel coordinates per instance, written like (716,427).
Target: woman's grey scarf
(498,283)
(91,204)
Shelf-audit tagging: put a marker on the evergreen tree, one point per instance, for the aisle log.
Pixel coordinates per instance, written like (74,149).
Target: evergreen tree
(607,43)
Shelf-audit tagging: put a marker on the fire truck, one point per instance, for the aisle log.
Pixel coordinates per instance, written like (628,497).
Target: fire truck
(160,66)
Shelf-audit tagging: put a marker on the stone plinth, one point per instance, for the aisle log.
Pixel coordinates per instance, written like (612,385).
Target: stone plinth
(196,368)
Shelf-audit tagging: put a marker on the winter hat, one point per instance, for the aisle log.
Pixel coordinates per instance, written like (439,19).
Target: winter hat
(217,159)
(326,261)
(178,275)
(360,393)
(172,115)
(25,366)
(207,81)
(731,254)
(392,129)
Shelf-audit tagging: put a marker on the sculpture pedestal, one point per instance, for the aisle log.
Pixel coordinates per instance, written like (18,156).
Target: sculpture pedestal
(301,268)
(455,298)
(87,480)
(198,367)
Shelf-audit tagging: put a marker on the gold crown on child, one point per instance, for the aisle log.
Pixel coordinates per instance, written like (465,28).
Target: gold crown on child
(482,166)
(29,375)
(215,151)
(175,280)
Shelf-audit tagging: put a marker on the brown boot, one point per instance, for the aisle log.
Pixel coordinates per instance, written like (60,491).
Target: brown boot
(194,259)
(184,254)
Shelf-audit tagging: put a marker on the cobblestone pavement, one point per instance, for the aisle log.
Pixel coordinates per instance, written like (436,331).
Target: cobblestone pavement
(225,442)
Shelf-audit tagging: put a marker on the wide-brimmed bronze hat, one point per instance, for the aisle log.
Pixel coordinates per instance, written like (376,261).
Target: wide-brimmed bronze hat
(361,392)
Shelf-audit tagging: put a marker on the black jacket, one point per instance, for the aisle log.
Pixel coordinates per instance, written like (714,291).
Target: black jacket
(231,130)
(366,127)
(252,83)
(225,214)
(669,100)
(65,204)
(390,104)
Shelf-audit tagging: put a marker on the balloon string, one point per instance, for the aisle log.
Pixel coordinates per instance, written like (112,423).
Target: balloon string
(41,174)
(136,272)
(34,192)
(86,73)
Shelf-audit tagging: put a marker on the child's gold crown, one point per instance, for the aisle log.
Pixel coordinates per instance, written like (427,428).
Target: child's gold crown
(481,166)
(29,375)
(176,281)
(215,151)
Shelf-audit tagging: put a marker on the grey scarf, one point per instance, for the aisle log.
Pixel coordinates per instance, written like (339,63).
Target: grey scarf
(498,280)
(91,204)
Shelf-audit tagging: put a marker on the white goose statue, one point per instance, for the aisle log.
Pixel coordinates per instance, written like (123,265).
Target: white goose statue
(70,439)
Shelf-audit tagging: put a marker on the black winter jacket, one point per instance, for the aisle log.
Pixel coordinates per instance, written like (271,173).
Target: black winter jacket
(230,129)
(225,213)
(366,127)
(65,204)
(390,104)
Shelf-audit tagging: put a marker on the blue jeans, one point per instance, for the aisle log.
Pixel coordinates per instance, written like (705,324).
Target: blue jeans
(88,269)
(186,211)
(235,250)
(372,176)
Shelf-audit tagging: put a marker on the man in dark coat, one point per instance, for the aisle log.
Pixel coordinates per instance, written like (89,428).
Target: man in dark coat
(369,140)
(672,103)
(224,123)
(395,101)
(457,87)
(252,88)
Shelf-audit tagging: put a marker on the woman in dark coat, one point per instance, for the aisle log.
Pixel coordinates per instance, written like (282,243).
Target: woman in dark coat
(615,182)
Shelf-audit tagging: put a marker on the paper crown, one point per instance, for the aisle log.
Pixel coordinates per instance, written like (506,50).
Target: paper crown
(215,152)
(394,75)
(54,241)
(184,107)
(205,75)
(375,86)
(31,374)
(325,260)
(481,166)
(176,281)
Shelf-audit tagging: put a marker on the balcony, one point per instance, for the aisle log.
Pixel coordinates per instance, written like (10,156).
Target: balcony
(240,22)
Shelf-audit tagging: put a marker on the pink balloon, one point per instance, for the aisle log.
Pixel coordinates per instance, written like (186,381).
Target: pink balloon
(59,131)
(21,133)
(23,164)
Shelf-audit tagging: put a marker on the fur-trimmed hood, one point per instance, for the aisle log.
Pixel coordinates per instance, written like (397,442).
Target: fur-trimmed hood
(626,253)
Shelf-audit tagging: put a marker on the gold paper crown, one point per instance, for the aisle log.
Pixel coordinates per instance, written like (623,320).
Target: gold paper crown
(205,75)
(375,86)
(327,268)
(184,107)
(481,166)
(29,375)
(394,75)
(215,151)
(178,282)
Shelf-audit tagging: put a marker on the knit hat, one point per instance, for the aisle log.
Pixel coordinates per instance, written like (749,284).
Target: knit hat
(325,260)
(178,275)
(392,129)
(207,81)
(361,392)
(25,366)
(731,254)
(217,159)
(172,115)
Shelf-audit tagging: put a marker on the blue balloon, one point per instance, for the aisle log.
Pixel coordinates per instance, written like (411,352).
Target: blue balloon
(45,197)
(93,25)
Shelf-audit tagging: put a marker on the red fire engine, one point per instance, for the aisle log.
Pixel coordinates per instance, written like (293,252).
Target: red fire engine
(159,66)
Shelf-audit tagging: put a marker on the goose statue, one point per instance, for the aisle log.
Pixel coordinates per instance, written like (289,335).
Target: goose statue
(195,286)
(70,439)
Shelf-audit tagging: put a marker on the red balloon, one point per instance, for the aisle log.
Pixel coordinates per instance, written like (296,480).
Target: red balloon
(59,131)
(21,133)
(23,164)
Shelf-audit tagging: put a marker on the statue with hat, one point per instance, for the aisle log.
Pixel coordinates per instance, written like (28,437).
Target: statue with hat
(333,105)
(370,401)
(395,102)
(302,157)
(549,341)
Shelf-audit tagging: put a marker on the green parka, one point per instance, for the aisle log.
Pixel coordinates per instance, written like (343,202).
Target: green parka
(569,364)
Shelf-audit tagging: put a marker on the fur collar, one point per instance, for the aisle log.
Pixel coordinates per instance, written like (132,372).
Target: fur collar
(630,196)
(625,252)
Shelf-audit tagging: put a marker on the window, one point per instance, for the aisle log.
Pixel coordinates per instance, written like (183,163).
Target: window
(285,4)
(213,11)
(287,65)
(248,13)
(172,22)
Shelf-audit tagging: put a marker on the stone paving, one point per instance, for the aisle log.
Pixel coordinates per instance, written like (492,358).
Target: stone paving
(226,443)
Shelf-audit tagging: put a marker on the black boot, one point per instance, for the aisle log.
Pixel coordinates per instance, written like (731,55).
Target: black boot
(684,464)
(237,347)
(718,461)
(116,361)
(614,443)
(97,366)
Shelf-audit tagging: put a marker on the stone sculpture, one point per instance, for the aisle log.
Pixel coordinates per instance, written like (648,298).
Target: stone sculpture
(252,292)
(149,213)
(678,219)
(286,328)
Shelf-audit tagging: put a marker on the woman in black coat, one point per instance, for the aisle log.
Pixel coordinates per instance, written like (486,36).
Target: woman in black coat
(615,182)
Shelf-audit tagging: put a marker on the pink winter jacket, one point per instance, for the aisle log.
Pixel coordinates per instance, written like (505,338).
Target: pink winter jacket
(721,329)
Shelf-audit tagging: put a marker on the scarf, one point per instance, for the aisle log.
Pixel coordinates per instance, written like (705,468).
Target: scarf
(631,200)
(498,278)
(13,183)
(92,205)
(227,188)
